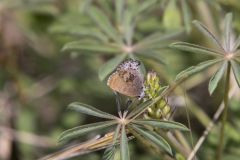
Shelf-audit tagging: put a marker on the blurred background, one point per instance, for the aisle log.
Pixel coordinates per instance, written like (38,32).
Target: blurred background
(38,78)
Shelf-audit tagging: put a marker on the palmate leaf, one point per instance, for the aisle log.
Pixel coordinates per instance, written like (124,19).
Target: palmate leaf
(207,33)
(216,78)
(236,70)
(84,129)
(162,124)
(109,153)
(90,46)
(194,48)
(154,138)
(89,110)
(195,69)
(124,150)
(103,22)
(110,66)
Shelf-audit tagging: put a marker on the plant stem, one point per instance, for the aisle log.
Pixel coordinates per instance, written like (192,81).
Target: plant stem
(224,117)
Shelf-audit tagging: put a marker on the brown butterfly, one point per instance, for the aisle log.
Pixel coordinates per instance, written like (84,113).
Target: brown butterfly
(127,79)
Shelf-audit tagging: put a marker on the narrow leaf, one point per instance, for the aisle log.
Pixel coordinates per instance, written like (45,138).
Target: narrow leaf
(195,69)
(124,145)
(194,48)
(143,6)
(208,33)
(76,31)
(227,31)
(109,153)
(216,78)
(90,46)
(162,124)
(158,39)
(89,110)
(236,44)
(171,16)
(128,27)
(151,55)
(236,70)
(110,66)
(154,138)
(103,22)
(119,5)
(84,129)
(140,108)
(186,15)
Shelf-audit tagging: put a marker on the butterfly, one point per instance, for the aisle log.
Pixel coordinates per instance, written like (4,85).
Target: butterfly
(127,79)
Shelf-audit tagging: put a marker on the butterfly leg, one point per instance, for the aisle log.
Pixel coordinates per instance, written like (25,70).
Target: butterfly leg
(128,104)
(118,103)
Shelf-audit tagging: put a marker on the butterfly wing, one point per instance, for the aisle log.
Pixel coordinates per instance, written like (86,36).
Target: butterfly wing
(126,82)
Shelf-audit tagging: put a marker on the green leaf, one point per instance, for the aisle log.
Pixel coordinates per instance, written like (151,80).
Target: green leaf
(128,27)
(143,6)
(103,22)
(152,55)
(227,31)
(84,129)
(195,69)
(172,16)
(208,33)
(124,145)
(157,39)
(162,124)
(90,46)
(89,110)
(194,48)
(236,70)
(216,78)
(154,138)
(236,44)
(109,153)
(110,66)
(119,5)
(186,16)
(140,108)
(78,31)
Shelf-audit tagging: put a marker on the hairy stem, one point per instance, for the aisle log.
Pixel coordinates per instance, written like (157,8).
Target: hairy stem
(224,117)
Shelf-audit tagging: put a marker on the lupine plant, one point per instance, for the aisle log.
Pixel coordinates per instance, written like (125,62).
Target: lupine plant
(112,32)
(148,130)
(227,57)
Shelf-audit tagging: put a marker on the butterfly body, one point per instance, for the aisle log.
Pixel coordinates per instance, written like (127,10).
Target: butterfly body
(127,79)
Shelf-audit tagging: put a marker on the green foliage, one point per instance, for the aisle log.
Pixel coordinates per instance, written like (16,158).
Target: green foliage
(227,51)
(38,77)
(125,121)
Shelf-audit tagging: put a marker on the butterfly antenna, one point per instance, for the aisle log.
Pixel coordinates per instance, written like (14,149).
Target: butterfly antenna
(118,102)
